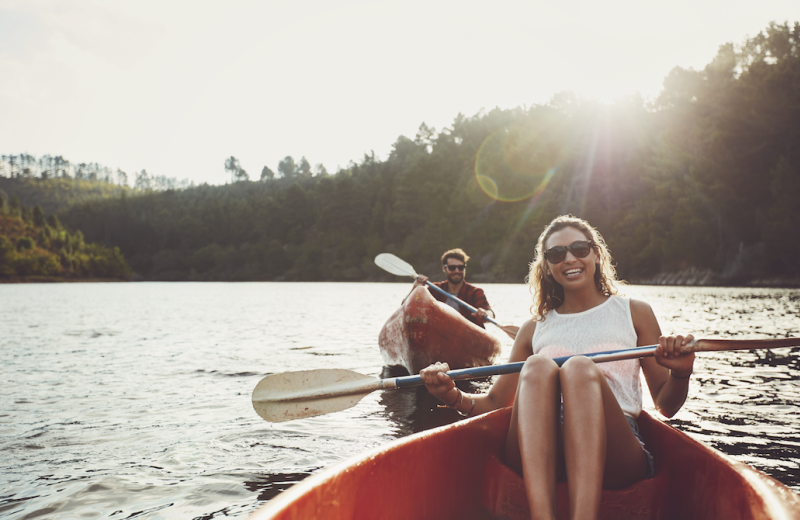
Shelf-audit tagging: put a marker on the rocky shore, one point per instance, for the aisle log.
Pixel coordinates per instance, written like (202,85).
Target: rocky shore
(708,278)
(691,277)
(55,279)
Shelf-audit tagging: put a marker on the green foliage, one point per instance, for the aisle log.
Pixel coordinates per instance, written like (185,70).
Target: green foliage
(7,256)
(56,194)
(53,222)
(51,251)
(238,174)
(14,206)
(25,243)
(287,167)
(780,229)
(267,174)
(38,216)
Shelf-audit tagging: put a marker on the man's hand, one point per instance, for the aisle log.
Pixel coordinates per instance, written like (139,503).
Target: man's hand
(420,281)
(483,314)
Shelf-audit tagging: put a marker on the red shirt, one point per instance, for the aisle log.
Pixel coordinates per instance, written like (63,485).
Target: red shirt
(469,294)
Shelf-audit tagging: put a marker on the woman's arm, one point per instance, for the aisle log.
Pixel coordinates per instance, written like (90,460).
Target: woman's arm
(501,393)
(667,373)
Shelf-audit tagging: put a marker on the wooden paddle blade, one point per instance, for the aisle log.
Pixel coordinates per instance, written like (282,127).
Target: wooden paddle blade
(308,393)
(390,263)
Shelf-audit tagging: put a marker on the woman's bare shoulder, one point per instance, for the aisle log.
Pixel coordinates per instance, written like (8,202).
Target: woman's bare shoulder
(640,308)
(645,322)
(527,328)
(523,347)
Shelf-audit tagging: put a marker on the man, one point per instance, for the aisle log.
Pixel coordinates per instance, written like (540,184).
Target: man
(454,266)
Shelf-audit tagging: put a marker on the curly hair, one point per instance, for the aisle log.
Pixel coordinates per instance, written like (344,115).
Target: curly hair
(549,294)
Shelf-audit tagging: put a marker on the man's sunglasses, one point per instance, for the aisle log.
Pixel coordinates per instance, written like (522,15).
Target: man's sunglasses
(579,249)
(461,267)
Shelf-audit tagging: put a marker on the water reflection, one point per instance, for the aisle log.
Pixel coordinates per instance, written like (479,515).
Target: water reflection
(268,487)
(413,410)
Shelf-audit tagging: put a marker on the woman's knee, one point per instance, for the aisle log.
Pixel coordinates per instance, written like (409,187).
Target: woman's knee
(538,369)
(579,368)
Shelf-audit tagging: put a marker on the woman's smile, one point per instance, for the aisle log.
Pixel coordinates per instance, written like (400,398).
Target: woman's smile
(573,273)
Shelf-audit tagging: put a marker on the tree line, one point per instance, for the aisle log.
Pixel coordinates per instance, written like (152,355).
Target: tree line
(287,169)
(706,176)
(26,166)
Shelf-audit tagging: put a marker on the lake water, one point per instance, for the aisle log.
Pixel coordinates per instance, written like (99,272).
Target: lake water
(133,400)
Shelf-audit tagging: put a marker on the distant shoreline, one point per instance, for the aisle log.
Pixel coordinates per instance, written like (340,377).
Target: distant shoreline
(55,279)
(666,280)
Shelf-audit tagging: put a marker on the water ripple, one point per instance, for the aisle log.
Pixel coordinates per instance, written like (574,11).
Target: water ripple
(133,400)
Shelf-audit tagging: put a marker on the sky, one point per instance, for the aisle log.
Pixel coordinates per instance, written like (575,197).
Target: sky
(176,87)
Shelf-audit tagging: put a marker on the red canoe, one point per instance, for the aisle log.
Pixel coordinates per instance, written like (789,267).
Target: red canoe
(424,331)
(457,472)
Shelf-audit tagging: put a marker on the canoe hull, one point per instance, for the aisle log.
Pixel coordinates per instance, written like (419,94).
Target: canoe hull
(456,471)
(424,331)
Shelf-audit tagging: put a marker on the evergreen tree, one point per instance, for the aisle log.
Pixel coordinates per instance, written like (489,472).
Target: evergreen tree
(287,167)
(38,216)
(267,174)
(14,206)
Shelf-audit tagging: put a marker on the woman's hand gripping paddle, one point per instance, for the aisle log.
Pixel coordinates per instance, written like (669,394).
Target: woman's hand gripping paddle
(308,393)
(390,263)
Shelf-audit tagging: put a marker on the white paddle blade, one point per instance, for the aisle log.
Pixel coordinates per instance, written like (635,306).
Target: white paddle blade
(390,263)
(278,411)
(308,393)
(511,330)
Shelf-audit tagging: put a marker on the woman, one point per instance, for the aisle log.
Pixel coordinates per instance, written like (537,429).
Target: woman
(577,422)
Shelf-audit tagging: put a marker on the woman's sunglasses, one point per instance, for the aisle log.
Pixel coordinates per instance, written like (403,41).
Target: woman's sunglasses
(579,249)
(452,268)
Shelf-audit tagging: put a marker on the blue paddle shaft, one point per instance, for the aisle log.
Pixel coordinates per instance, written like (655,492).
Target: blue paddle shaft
(513,368)
(460,302)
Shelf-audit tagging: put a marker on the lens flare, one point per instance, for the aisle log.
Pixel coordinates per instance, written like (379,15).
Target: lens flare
(488,186)
(508,168)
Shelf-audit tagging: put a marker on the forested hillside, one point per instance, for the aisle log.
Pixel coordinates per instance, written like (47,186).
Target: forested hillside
(56,195)
(39,248)
(707,177)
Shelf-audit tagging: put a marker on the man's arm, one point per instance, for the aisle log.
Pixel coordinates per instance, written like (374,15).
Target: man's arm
(480,302)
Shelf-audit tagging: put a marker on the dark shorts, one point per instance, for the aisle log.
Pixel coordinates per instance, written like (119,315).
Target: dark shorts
(648,457)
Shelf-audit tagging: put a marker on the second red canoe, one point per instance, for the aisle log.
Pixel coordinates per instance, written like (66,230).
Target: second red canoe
(424,331)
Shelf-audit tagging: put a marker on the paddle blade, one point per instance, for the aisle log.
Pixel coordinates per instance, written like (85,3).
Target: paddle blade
(390,263)
(308,393)
(511,330)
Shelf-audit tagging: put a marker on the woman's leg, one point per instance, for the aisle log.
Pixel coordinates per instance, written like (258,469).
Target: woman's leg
(600,449)
(531,447)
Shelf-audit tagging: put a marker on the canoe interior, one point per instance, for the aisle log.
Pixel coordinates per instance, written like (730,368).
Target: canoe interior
(424,331)
(457,472)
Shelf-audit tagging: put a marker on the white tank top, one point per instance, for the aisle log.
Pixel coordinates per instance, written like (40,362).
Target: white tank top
(608,326)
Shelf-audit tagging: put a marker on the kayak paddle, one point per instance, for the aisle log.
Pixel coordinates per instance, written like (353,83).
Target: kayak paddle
(390,263)
(308,393)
